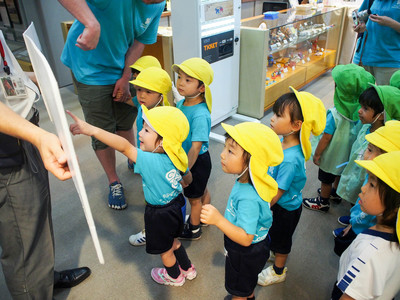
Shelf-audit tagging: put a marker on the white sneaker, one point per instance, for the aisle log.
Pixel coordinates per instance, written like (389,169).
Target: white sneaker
(138,239)
(268,276)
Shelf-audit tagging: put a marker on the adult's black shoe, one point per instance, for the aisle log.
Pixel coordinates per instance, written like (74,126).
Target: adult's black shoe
(70,278)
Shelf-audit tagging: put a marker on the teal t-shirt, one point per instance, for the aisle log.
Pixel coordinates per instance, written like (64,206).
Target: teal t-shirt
(291,177)
(161,180)
(247,210)
(382,48)
(199,118)
(121,23)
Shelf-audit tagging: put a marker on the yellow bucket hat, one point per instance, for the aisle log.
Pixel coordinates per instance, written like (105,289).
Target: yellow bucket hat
(387,168)
(201,70)
(386,137)
(265,149)
(172,125)
(145,62)
(314,115)
(154,79)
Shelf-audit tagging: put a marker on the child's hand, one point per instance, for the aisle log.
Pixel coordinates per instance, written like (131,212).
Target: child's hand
(316,159)
(210,215)
(186,180)
(80,126)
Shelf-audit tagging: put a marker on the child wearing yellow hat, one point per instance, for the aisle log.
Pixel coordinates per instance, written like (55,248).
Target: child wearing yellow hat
(160,161)
(250,149)
(341,130)
(142,63)
(384,139)
(296,115)
(194,77)
(152,85)
(369,268)
(371,115)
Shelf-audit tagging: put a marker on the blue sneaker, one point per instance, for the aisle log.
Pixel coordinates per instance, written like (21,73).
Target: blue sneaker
(344,220)
(116,197)
(337,232)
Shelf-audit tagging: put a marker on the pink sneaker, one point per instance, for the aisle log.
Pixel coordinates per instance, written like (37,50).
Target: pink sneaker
(190,274)
(160,275)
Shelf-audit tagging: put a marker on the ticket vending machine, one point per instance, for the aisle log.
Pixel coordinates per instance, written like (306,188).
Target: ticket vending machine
(210,29)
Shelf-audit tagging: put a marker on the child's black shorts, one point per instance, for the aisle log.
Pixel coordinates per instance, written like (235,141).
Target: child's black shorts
(326,177)
(242,266)
(200,172)
(283,226)
(163,223)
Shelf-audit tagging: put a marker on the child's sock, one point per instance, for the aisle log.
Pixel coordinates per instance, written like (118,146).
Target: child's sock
(278,271)
(173,271)
(194,228)
(182,258)
(324,200)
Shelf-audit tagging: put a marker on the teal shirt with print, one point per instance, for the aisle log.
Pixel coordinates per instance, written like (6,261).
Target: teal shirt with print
(161,180)
(122,22)
(139,119)
(291,177)
(247,210)
(199,118)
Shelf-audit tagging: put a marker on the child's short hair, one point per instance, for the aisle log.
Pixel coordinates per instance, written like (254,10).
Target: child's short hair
(370,98)
(288,100)
(391,200)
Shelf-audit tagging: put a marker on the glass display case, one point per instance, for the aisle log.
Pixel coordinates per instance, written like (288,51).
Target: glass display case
(290,50)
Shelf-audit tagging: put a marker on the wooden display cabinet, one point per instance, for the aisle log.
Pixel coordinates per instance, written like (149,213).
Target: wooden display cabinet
(291,50)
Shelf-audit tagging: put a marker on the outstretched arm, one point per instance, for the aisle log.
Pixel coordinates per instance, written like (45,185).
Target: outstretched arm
(112,140)
(211,215)
(48,144)
(89,38)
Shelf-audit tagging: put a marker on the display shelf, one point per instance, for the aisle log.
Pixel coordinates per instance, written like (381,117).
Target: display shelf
(309,42)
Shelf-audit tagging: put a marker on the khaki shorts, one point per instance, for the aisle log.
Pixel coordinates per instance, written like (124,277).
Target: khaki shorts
(100,110)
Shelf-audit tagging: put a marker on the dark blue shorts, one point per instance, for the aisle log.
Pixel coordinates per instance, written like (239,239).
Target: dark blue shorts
(163,223)
(201,171)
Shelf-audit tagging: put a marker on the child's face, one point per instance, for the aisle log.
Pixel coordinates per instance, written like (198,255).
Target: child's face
(147,138)
(188,86)
(147,97)
(370,201)
(232,161)
(366,114)
(371,152)
(282,124)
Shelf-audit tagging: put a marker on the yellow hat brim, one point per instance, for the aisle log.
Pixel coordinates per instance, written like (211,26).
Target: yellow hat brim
(381,142)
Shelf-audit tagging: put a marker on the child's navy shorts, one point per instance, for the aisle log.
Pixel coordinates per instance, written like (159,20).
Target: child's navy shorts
(242,266)
(200,172)
(326,177)
(283,226)
(163,223)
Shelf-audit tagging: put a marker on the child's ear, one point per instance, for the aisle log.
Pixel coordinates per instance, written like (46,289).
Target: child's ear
(296,125)
(202,88)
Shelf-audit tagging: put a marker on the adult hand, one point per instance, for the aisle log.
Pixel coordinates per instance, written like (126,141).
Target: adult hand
(121,91)
(360,27)
(316,159)
(53,156)
(210,215)
(89,38)
(382,20)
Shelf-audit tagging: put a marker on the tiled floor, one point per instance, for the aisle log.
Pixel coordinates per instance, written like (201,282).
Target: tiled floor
(312,265)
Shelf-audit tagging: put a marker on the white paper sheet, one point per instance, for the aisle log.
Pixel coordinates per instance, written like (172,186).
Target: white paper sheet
(52,99)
